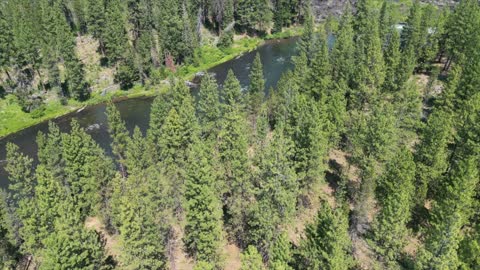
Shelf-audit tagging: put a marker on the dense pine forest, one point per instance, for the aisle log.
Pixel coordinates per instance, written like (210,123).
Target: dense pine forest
(364,156)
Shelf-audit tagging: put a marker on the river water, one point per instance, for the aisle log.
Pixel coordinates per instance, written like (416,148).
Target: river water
(276,58)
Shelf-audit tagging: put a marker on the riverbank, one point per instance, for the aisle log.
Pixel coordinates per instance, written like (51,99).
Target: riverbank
(13,119)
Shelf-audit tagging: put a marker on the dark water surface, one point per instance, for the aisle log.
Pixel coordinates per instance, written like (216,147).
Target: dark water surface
(276,58)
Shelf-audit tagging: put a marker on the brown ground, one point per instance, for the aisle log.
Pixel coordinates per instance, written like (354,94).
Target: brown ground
(112,245)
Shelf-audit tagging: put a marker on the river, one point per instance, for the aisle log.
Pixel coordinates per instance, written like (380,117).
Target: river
(276,58)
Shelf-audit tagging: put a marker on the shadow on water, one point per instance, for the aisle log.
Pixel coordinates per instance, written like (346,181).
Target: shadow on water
(276,58)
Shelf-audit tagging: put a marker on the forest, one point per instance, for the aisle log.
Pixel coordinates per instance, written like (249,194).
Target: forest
(364,156)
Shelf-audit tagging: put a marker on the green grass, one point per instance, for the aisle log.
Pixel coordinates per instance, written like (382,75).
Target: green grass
(13,119)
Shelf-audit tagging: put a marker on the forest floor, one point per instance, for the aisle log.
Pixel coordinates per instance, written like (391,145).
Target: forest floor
(103,88)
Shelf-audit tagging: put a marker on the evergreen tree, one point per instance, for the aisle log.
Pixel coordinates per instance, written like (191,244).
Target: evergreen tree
(306,126)
(280,254)
(232,149)
(20,170)
(6,41)
(209,107)
(306,45)
(319,76)
(232,92)
(411,41)
(119,134)
(277,192)
(392,56)
(203,231)
(72,246)
(344,48)
(386,21)
(326,244)
(96,19)
(449,215)
(142,212)
(254,14)
(395,192)
(370,64)
(87,168)
(251,259)
(432,153)
(462,29)
(114,36)
(8,248)
(138,155)
(256,89)
(76,84)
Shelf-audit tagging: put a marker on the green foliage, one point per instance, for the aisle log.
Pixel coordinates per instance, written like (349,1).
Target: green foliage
(8,248)
(344,48)
(449,215)
(251,259)
(203,231)
(209,107)
(276,195)
(232,96)
(254,14)
(126,74)
(87,168)
(326,244)
(395,190)
(72,246)
(113,35)
(256,90)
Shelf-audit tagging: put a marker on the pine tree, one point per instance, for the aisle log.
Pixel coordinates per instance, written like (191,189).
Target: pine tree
(232,96)
(86,167)
(6,41)
(395,192)
(256,90)
(449,215)
(119,134)
(306,126)
(306,44)
(344,48)
(50,150)
(280,254)
(49,194)
(138,155)
(209,107)
(72,246)
(251,259)
(143,210)
(159,110)
(114,36)
(96,18)
(22,182)
(370,64)
(462,29)
(411,37)
(203,231)
(432,153)
(326,244)
(386,21)
(277,191)
(232,149)
(20,170)
(392,57)
(8,248)
(76,84)
(319,76)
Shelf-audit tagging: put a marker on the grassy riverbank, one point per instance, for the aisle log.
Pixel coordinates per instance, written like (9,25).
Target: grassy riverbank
(13,119)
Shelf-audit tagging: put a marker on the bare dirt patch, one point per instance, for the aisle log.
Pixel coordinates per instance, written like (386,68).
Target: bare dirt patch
(232,257)
(112,246)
